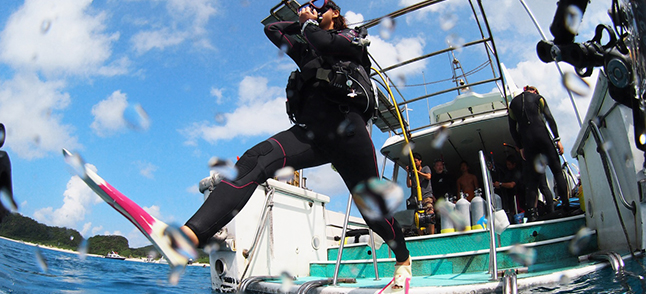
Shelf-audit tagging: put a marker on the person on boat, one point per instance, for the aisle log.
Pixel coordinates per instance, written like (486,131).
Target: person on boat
(528,113)
(467,182)
(442,182)
(424,174)
(511,186)
(326,131)
(5,179)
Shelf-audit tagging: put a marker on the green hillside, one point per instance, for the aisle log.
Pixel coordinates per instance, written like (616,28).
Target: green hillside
(18,227)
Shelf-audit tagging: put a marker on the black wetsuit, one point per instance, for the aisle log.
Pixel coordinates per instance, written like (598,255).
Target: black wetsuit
(527,115)
(315,141)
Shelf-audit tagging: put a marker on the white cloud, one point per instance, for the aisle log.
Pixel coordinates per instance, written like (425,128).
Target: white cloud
(390,53)
(29,109)
(217,93)
(57,37)
(86,228)
(96,230)
(160,39)
(257,114)
(77,201)
(136,239)
(189,19)
(114,114)
(146,169)
(193,189)
(323,179)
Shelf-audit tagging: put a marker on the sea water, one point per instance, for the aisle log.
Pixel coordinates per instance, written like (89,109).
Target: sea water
(21,272)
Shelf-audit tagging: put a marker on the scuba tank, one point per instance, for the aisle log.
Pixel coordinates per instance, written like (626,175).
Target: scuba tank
(447,223)
(462,207)
(477,210)
(498,201)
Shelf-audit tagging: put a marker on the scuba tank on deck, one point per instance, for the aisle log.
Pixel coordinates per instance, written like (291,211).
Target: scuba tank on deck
(477,211)
(448,208)
(462,207)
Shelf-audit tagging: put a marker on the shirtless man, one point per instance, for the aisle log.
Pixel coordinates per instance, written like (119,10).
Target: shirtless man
(468,182)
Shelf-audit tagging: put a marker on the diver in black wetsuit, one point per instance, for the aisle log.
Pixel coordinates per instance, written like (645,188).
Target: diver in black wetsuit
(527,115)
(316,139)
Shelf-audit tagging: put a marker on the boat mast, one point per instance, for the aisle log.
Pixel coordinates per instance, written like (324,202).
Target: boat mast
(540,31)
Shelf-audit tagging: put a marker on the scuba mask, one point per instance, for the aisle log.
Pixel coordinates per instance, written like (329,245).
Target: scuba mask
(321,6)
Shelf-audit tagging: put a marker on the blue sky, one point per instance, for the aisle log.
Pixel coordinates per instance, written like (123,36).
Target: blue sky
(211,84)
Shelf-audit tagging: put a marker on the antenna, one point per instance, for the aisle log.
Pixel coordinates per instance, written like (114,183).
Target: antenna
(461,79)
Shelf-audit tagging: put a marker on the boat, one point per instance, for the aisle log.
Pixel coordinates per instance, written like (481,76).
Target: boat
(114,255)
(332,252)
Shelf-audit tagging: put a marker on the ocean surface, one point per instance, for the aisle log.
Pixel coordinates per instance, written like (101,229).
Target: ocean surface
(22,271)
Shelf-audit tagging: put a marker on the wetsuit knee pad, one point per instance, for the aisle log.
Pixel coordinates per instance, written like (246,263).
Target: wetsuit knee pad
(249,159)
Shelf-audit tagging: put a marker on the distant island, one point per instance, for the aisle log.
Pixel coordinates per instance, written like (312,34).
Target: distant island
(18,227)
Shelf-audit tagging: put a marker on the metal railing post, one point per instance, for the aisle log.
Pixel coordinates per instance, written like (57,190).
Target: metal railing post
(493,267)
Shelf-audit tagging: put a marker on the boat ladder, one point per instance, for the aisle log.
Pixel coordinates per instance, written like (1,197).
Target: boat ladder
(613,258)
(242,288)
(307,286)
(509,282)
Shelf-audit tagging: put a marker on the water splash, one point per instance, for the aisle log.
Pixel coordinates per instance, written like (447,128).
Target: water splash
(220,119)
(523,255)
(180,242)
(447,211)
(573,16)
(386,27)
(45,26)
(223,167)
(174,275)
(377,198)
(287,281)
(76,163)
(136,117)
(540,163)
(6,197)
(82,249)
(346,128)
(40,260)
(408,148)
(580,241)
(448,21)
(441,137)
(576,84)
(285,174)
(455,41)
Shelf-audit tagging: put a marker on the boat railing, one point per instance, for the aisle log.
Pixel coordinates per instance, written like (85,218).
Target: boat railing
(486,178)
(346,221)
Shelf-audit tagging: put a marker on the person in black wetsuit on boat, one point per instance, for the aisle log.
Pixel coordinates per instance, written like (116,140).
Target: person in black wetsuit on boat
(528,113)
(315,139)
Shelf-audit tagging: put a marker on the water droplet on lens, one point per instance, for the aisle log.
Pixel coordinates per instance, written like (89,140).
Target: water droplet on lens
(440,138)
(540,163)
(220,118)
(212,247)
(581,240)
(400,80)
(180,242)
(573,17)
(377,198)
(448,21)
(386,27)
(76,162)
(224,168)
(346,128)
(174,275)
(40,260)
(283,50)
(82,250)
(606,146)
(285,174)
(136,117)
(6,197)
(576,84)
(455,41)
(408,148)
(521,254)
(45,25)
(287,281)
(564,280)
(3,134)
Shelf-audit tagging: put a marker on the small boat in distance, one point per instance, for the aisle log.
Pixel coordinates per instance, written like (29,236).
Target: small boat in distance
(114,255)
